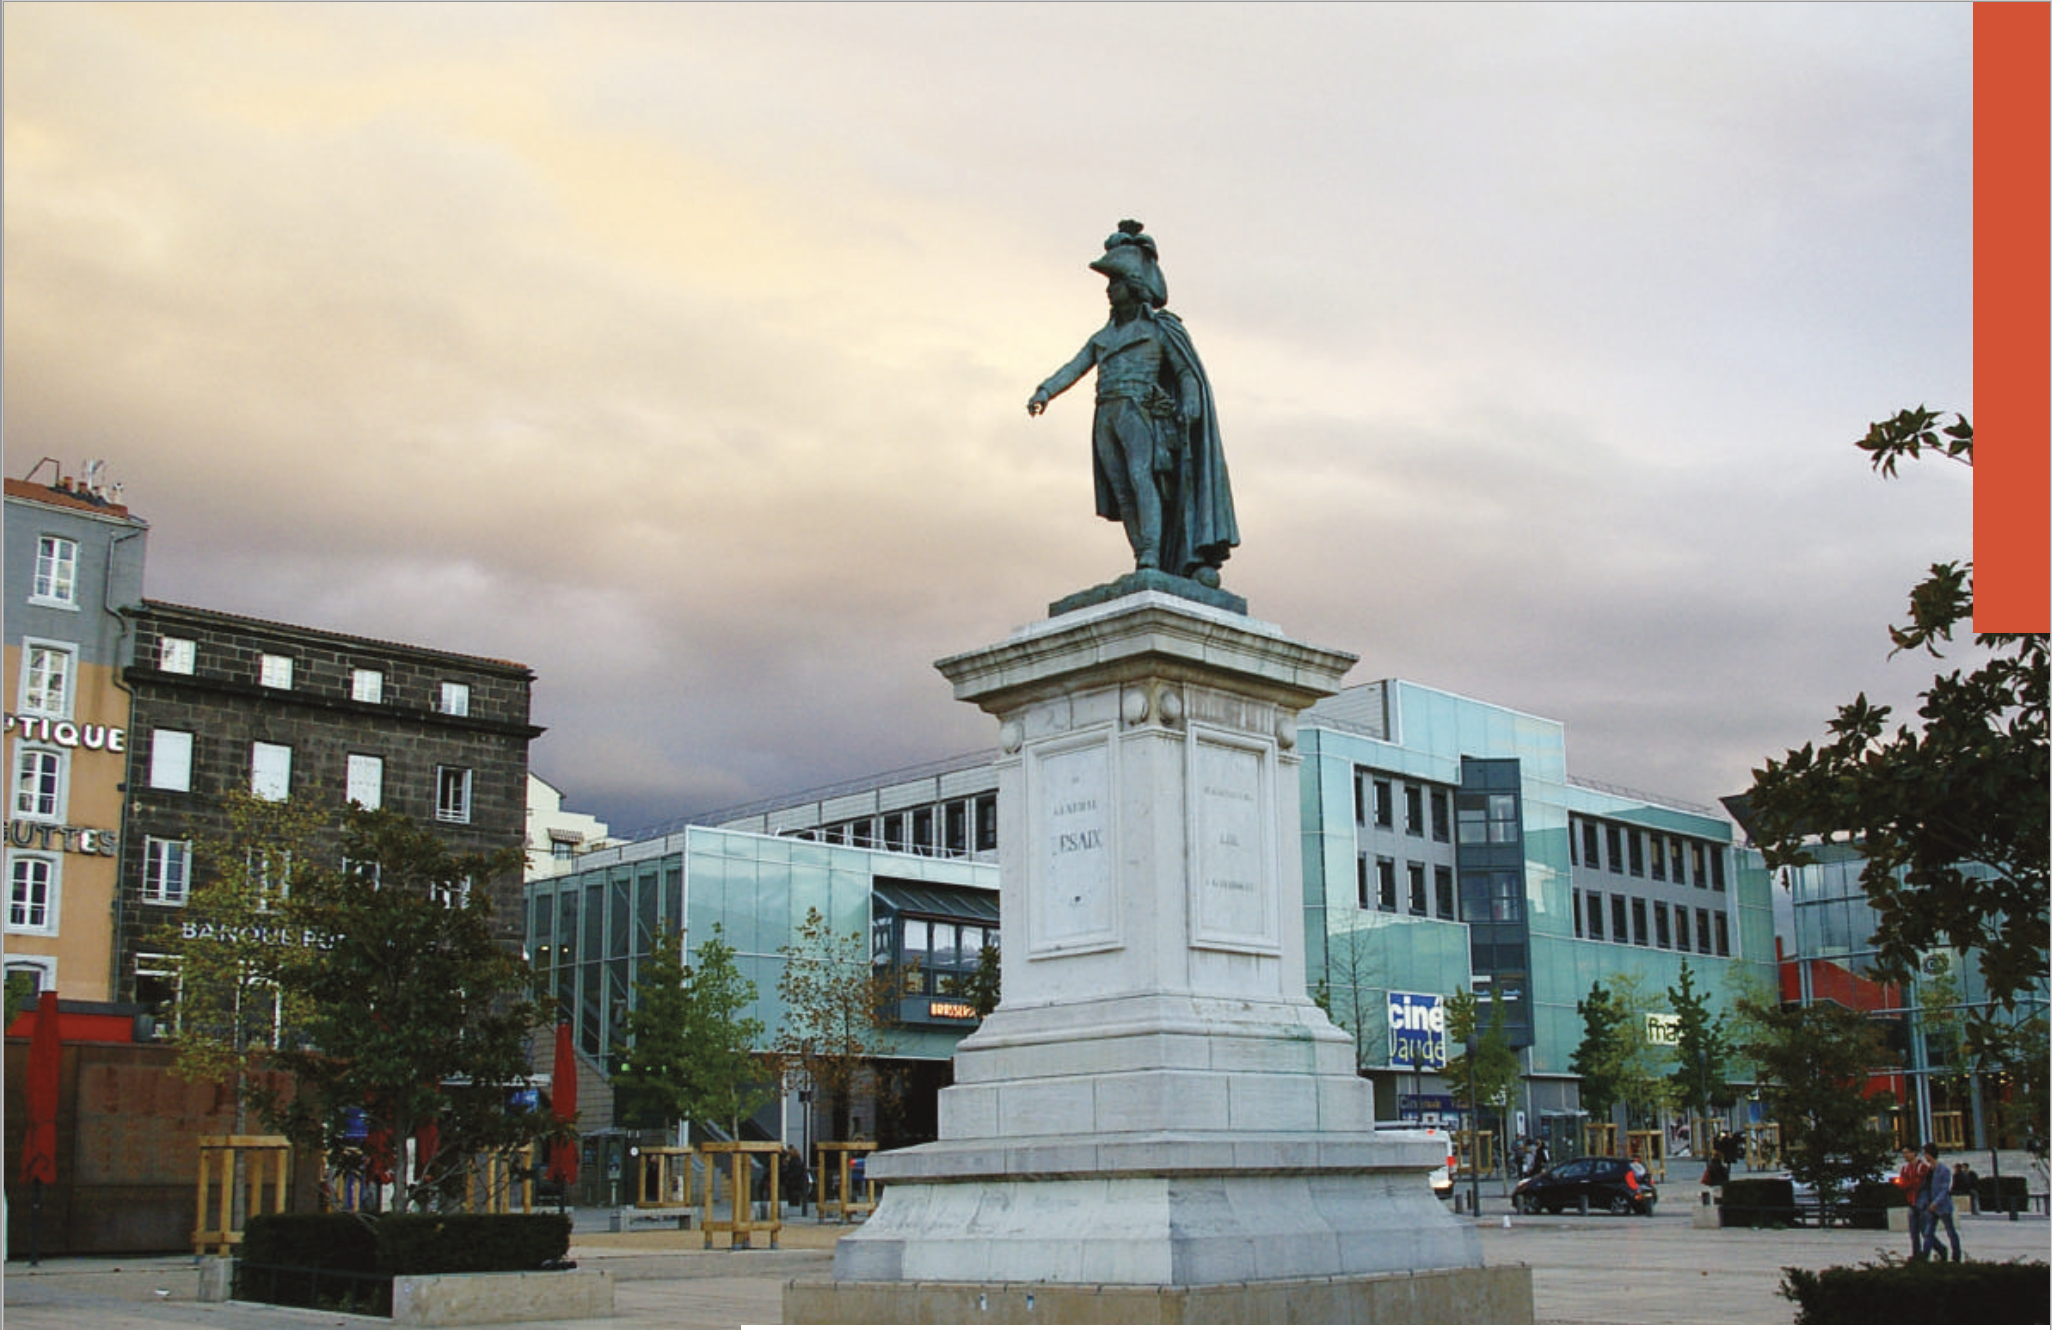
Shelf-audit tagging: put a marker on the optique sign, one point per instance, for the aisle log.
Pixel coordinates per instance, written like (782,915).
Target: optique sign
(1417,1031)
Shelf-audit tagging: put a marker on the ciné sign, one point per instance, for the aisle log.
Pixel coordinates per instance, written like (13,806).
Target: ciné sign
(1417,1031)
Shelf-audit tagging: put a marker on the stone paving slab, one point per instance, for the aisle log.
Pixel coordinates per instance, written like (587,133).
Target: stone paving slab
(1596,1270)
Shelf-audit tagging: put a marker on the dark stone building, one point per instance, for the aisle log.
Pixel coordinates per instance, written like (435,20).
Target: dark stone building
(222,703)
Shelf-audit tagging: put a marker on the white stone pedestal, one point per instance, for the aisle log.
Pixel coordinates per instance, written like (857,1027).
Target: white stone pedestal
(1155,1102)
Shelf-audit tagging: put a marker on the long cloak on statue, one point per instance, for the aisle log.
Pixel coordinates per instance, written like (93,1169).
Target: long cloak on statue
(1198,525)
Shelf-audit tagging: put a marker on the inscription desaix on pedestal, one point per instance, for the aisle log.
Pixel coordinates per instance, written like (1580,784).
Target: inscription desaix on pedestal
(1077,903)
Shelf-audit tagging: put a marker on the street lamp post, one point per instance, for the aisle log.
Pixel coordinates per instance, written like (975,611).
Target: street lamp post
(1474,1136)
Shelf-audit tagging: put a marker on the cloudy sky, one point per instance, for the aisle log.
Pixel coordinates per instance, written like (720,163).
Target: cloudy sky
(682,352)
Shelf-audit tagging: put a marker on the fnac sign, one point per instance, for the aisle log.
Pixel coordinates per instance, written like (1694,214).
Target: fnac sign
(1417,1031)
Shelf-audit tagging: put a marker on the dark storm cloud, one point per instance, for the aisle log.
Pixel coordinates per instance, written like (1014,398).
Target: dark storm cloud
(681,351)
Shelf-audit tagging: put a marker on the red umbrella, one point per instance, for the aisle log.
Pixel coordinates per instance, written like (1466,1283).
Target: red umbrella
(39,1148)
(563,1106)
(39,1143)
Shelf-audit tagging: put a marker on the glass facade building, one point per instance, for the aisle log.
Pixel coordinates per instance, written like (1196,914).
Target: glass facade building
(590,931)
(1446,847)
(1829,956)
(1444,843)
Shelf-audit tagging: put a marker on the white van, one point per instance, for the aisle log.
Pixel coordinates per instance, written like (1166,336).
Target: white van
(1443,1176)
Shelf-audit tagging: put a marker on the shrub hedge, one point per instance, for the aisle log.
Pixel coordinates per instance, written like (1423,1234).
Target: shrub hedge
(1767,1202)
(407,1244)
(1871,1202)
(1898,1292)
(413,1244)
(1754,1202)
(325,1242)
(2008,1194)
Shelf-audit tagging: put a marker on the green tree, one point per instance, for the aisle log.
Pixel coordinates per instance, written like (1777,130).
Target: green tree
(689,1054)
(1814,1063)
(21,995)
(414,1014)
(1600,1056)
(838,1011)
(1702,1056)
(1950,815)
(238,933)
(981,988)
(1484,1059)
(1938,1018)
(1640,1067)
(652,1071)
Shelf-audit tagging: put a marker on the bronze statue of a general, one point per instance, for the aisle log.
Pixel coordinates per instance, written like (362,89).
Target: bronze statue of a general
(1160,469)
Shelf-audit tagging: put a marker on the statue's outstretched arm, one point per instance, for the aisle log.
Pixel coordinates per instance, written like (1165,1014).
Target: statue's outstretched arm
(1062,380)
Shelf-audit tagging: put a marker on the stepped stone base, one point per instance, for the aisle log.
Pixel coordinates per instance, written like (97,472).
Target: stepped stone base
(1498,1295)
(1154,1212)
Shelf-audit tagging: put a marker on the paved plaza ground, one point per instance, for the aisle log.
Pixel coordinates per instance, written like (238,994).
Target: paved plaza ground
(1593,1270)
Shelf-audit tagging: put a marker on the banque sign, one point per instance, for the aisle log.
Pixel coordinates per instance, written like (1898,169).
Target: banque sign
(193,930)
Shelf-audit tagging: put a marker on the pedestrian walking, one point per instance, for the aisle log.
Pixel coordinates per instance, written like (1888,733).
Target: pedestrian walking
(1938,1204)
(1911,1180)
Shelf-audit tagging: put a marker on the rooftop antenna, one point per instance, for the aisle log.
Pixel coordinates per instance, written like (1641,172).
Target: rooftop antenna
(54,465)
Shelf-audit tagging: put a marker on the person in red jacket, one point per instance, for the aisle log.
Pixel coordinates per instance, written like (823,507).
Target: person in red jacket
(1911,1180)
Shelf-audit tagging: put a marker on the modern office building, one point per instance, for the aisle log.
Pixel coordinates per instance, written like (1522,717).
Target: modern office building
(590,931)
(1446,848)
(946,808)
(74,558)
(1827,954)
(221,703)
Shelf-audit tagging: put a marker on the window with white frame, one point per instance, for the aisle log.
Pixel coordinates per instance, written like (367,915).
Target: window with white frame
(270,770)
(39,784)
(177,655)
(366,783)
(367,685)
(451,895)
(167,870)
(452,794)
(56,572)
(33,882)
(39,971)
(273,877)
(274,671)
(455,699)
(157,984)
(170,759)
(47,669)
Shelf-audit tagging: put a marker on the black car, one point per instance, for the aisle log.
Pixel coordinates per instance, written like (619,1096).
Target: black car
(1620,1186)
